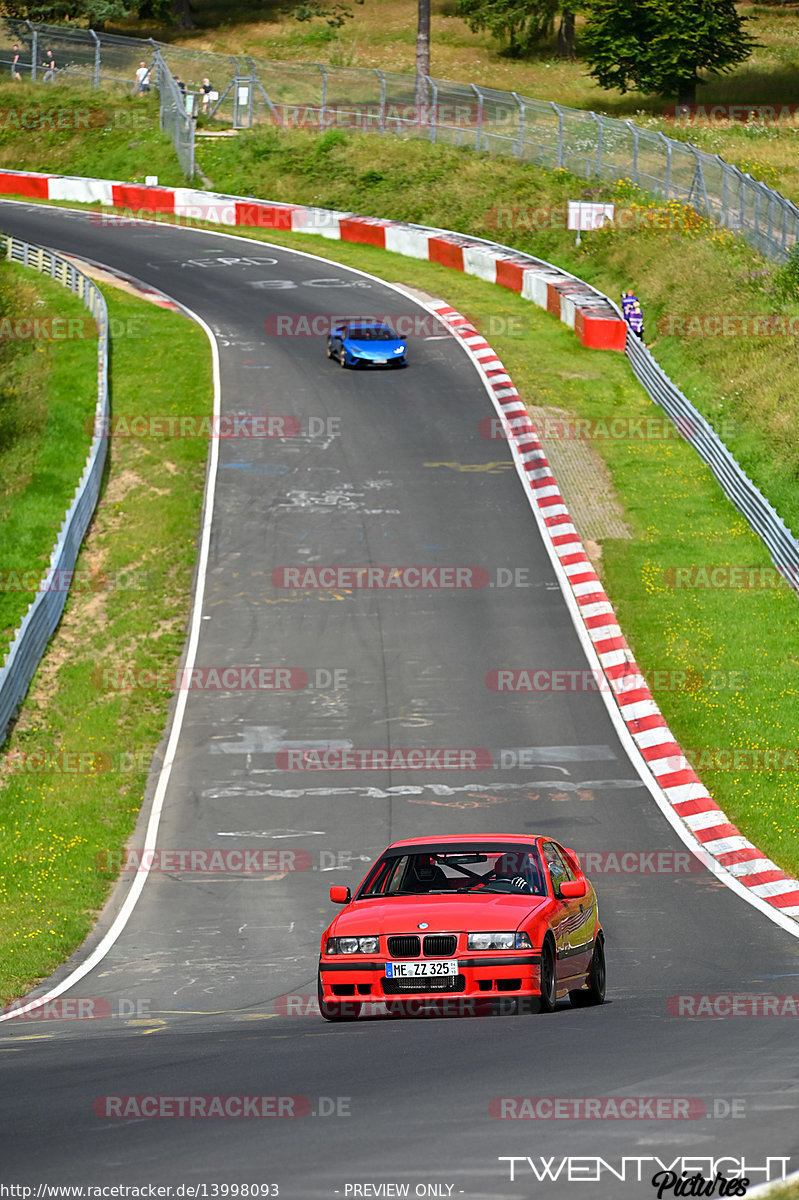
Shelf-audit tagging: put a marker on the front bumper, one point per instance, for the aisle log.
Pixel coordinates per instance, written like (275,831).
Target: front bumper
(487,976)
(367,361)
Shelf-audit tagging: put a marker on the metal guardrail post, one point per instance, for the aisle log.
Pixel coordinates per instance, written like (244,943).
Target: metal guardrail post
(434,122)
(324,95)
(634,132)
(598,144)
(724,174)
(561,154)
(235,86)
(158,62)
(382,79)
(34,50)
(520,142)
(667,177)
(479,131)
(96,80)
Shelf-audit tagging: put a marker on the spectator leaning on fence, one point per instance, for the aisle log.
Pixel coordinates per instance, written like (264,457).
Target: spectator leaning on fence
(49,67)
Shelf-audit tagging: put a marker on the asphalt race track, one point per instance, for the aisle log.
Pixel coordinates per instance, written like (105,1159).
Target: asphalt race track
(383,469)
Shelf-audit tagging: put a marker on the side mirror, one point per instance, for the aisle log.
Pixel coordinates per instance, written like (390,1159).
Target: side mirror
(572,889)
(340,895)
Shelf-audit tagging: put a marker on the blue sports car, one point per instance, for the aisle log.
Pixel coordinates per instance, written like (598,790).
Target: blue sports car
(365,343)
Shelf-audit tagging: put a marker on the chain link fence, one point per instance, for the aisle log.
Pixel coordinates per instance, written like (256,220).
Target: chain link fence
(244,93)
(41,619)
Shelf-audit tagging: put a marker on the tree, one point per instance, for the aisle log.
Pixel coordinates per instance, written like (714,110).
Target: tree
(566,33)
(662,45)
(167,12)
(422,51)
(521,23)
(96,12)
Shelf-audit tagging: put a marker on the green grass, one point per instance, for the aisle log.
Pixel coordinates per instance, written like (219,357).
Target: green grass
(51,390)
(76,130)
(54,823)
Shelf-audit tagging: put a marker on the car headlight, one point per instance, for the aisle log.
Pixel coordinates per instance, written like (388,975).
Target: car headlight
(399,350)
(499,941)
(353,945)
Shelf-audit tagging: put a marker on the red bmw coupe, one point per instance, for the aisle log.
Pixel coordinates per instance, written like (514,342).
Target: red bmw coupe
(484,918)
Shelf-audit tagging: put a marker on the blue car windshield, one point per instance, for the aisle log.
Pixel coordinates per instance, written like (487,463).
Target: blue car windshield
(371,333)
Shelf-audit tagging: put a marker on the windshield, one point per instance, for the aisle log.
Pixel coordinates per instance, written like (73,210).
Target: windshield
(451,871)
(371,333)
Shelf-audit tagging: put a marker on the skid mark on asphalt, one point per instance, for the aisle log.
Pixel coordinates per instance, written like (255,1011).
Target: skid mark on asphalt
(583,790)
(493,468)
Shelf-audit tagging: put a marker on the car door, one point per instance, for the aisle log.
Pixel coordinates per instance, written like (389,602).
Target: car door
(571,919)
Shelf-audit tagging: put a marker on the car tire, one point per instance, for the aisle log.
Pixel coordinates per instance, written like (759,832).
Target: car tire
(597,979)
(347,1010)
(548,991)
(342,359)
(330,349)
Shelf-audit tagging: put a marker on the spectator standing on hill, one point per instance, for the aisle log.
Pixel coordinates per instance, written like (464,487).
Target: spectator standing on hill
(636,321)
(15,65)
(628,299)
(142,79)
(49,67)
(206,90)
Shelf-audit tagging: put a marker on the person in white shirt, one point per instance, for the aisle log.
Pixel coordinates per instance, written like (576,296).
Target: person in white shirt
(142,78)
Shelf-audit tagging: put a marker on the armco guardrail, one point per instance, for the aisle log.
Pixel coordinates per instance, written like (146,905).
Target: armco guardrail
(253,91)
(764,520)
(42,617)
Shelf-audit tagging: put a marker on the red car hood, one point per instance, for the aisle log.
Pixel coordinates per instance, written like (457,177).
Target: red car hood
(402,914)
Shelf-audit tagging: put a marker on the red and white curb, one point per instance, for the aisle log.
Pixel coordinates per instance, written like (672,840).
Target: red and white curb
(716,838)
(587,311)
(703,825)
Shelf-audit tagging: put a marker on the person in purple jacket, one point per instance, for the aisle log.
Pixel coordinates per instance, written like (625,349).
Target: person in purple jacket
(636,320)
(628,299)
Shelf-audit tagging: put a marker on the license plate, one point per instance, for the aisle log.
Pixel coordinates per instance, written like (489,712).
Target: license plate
(416,970)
